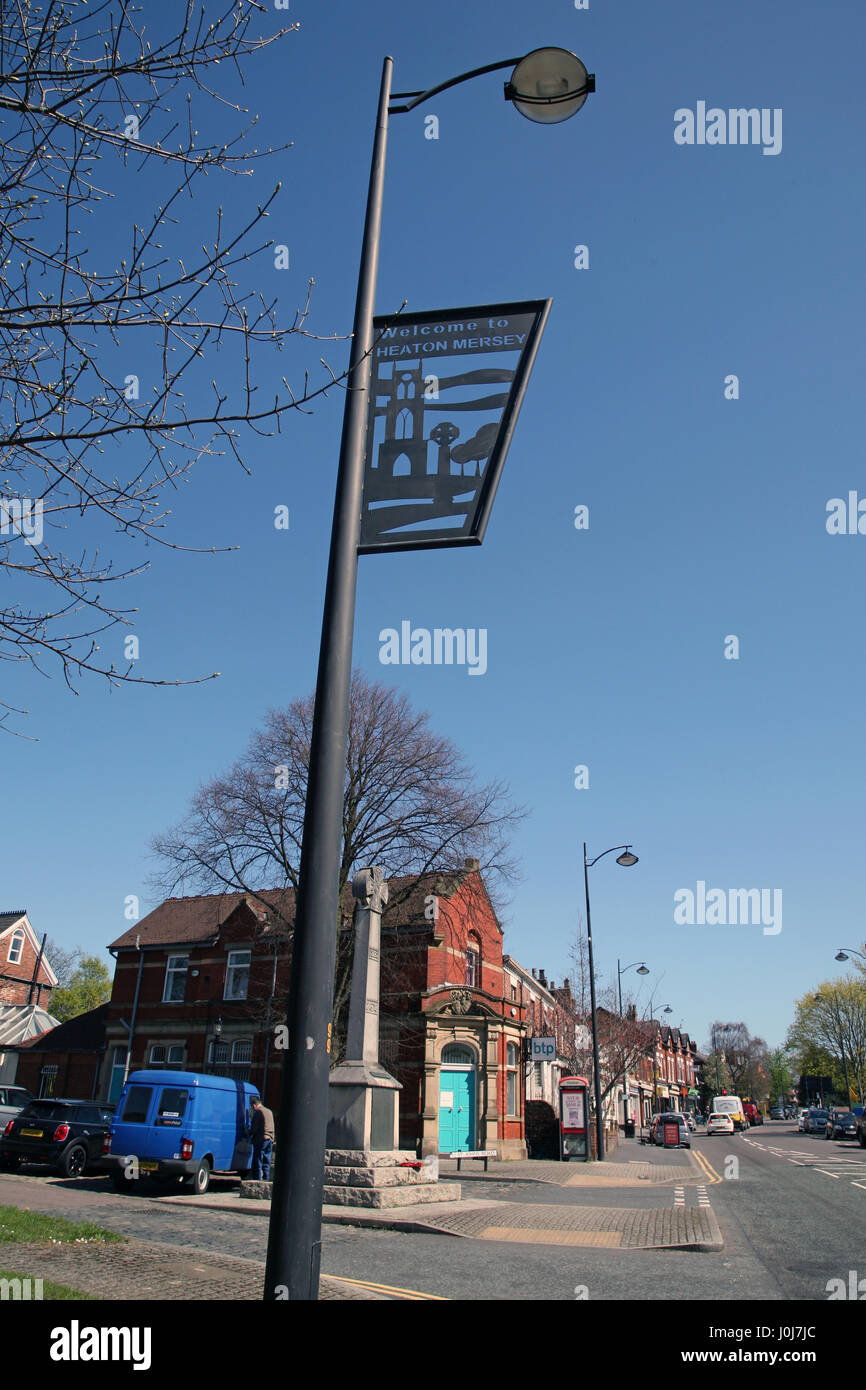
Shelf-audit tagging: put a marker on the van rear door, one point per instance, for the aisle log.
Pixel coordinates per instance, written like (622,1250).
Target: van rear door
(129,1130)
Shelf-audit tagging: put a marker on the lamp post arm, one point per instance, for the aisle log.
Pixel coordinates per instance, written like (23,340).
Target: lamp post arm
(418,97)
(589,862)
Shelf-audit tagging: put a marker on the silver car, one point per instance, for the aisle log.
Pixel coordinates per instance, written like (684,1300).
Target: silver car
(12,1101)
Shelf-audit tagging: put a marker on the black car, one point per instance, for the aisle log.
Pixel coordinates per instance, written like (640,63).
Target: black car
(816,1120)
(841,1125)
(68,1134)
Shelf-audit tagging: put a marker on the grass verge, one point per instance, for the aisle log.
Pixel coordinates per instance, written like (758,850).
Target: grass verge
(43,1289)
(17,1226)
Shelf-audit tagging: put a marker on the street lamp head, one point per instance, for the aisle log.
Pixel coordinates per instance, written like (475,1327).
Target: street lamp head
(626,858)
(840,955)
(667,1009)
(549,85)
(642,970)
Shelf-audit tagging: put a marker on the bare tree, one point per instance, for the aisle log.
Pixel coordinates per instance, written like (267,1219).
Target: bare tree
(109,310)
(411,806)
(741,1053)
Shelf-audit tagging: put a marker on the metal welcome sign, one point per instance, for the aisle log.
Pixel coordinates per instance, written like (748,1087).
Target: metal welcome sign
(446,389)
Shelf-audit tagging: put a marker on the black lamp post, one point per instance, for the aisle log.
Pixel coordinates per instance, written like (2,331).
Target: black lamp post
(547,85)
(626,859)
(641,970)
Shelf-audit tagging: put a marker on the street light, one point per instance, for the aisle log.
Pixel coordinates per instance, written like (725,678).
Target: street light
(841,954)
(294,1238)
(641,968)
(626,859)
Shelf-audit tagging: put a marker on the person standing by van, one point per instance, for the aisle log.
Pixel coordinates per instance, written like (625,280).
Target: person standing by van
(262,1134)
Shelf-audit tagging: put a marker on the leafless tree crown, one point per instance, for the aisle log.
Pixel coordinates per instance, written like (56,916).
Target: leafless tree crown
(120,289)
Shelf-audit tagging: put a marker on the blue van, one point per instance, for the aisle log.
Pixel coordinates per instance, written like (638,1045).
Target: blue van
(171,1125)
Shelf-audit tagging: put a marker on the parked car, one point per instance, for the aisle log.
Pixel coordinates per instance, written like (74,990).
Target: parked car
(753,1114)
(12,1101)
(841,1125)
(801,1118)
(777,1112)
(179,1125)
(719,1123)
(67,1134)
(656,1134)
(816,1120)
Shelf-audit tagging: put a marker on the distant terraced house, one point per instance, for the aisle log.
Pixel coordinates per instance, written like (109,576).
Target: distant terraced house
(26,982)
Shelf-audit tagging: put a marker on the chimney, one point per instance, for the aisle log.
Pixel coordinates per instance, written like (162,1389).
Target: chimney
(542,978)
(471,866)
(534,973)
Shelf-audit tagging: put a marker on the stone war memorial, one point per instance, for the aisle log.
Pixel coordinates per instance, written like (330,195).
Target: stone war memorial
(363,1165)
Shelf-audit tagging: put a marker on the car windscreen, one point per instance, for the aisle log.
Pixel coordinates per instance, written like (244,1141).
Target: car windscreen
(136,1105)
(172,1105)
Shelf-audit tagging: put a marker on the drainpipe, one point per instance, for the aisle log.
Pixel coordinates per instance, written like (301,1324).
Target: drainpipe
(268,1025)
(33,984)
(134,1008)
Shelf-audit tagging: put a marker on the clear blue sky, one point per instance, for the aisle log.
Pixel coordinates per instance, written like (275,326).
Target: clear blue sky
(707,515)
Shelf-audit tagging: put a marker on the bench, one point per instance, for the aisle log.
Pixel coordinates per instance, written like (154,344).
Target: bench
(485,1154)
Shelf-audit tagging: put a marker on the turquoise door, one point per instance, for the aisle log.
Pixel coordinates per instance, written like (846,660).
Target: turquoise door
(456,1110)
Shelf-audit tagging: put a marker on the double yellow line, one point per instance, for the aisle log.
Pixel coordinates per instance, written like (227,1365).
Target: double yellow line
(706,1166)
(407,1295)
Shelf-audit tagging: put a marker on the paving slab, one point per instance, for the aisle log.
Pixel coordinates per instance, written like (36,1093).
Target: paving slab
(632,1228)
(675,1166)
(152,1270)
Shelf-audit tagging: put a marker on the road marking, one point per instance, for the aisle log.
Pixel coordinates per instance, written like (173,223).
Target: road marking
(859,1184)
(389,1288)
(707,1167)
(679,1196)
(703,1199)
(829,1175)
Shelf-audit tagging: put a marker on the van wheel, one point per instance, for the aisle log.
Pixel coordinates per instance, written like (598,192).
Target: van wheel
(199,1181)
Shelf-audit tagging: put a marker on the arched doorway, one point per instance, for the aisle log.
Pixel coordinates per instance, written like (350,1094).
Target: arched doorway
(457,1099)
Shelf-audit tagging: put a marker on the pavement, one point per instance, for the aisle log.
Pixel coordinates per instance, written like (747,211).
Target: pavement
(656,1227)
(653,1214)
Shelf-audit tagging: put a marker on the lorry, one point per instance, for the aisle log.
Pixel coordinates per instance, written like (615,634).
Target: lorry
(179,1127)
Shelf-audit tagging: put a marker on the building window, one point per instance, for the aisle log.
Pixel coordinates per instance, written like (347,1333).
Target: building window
(175,979)
(164,1055)
(539,1079)
(473,963)
(237,975)
(231,1059)
(457,1055)
(47,1082)
(512,1055)
(16,947)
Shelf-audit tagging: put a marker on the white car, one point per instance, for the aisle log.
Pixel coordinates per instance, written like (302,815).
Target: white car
(719,1123)
(801,1118)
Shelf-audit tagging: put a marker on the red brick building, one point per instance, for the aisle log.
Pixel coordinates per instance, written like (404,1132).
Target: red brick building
(26,982)
(200,984)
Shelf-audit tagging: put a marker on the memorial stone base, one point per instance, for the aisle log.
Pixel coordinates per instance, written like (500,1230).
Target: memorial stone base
(373,1178)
